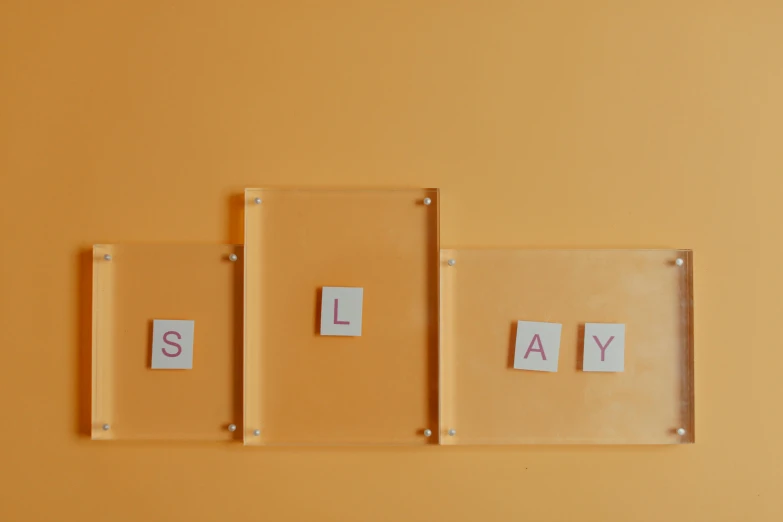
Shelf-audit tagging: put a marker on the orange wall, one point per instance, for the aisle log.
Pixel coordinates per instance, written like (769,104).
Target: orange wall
(580,123)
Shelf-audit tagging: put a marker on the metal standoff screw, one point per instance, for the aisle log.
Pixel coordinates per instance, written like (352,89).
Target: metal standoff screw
(681,431)
(106,427)
(679,261)
(256,432)
(232,257)
(107,257)
(452,262)
(452,432)
(232,427)
(427,201)
(427,433)
(258,201)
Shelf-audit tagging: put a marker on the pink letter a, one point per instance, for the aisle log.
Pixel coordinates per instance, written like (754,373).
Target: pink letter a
(540,348)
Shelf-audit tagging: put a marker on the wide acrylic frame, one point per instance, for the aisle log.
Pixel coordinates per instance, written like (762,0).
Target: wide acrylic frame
(484,400)
(133,285)
(302,388)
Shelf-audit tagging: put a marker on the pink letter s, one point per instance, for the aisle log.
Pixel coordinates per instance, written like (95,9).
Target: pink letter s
(170,343)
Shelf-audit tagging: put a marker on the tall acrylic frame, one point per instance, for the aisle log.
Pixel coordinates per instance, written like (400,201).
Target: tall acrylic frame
(304,388)
(485,400)
(133,285)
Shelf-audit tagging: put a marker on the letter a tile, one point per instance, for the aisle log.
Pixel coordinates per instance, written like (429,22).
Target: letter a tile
(537,346)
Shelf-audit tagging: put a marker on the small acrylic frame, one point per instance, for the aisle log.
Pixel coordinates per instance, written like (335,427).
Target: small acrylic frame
(133,285)
(304,388)
(485,400)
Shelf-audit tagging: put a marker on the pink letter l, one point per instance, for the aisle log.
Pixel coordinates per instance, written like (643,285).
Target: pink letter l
(335,315)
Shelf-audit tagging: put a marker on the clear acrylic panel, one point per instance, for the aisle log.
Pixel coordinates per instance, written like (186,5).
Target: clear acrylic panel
(305,388)
(484,400)
(133,285)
